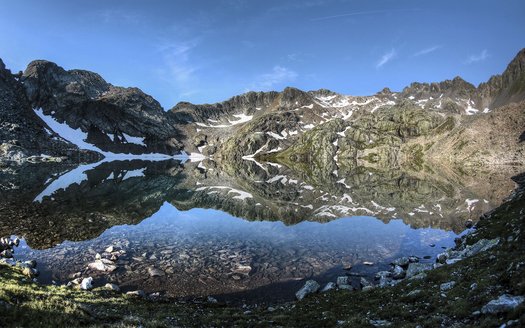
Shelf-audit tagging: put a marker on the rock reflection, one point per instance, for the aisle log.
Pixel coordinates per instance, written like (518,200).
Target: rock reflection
(47,205)
(186,251)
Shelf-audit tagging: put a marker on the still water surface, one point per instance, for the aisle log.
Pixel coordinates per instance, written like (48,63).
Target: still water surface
(189,231)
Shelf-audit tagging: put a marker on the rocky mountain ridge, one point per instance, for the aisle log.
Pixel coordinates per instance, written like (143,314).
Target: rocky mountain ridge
(262,125)
(383,129)
(115,119)
(23,136)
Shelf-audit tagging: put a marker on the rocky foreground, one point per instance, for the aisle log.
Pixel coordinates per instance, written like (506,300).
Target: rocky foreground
(478,283)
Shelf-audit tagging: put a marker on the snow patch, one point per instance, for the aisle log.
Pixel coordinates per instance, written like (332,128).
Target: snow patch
(134,140)
(241,195)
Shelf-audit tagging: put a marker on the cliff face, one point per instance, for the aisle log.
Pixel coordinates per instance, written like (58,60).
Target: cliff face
(506,88)
(23,135)
(119,120)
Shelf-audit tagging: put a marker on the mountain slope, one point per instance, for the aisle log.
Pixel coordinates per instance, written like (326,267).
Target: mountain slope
(264,123)
(116,119)
(23,135)
(382,129)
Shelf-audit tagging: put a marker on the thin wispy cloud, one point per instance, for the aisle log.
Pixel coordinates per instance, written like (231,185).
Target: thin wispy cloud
(177,68)
(277,76)
(360,13)
(177,59)
(478,57)
(426,51)
(386,58)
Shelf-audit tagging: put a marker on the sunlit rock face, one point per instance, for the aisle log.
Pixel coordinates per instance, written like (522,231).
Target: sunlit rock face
(387,128)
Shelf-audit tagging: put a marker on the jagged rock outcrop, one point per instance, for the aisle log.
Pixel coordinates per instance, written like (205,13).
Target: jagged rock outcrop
(492,138)
(247,103)
(506,88)
(116,119)
(23,135)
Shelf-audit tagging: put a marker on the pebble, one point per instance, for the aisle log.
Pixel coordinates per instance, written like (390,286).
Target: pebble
(112,287)
(136,293)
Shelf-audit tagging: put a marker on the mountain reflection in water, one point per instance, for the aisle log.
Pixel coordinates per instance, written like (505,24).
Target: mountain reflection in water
(176,227)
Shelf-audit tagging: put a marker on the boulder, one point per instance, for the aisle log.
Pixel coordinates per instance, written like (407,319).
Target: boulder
(87,283)
(416,268)
(136,293)
(447,286)
(30,272)
(310,287)
(402,261)
(442,258)
(504,303)
(112,287)
(343,280)
(364,282)
(329,286)
(103,265)
(399,272)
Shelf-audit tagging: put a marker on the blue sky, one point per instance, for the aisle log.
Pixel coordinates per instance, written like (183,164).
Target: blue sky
(208,51)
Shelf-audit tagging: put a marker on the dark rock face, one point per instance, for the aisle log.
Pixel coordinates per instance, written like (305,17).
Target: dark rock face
(110,115)
(23,135)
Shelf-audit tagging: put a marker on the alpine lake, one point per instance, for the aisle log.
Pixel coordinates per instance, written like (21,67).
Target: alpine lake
(245,233)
